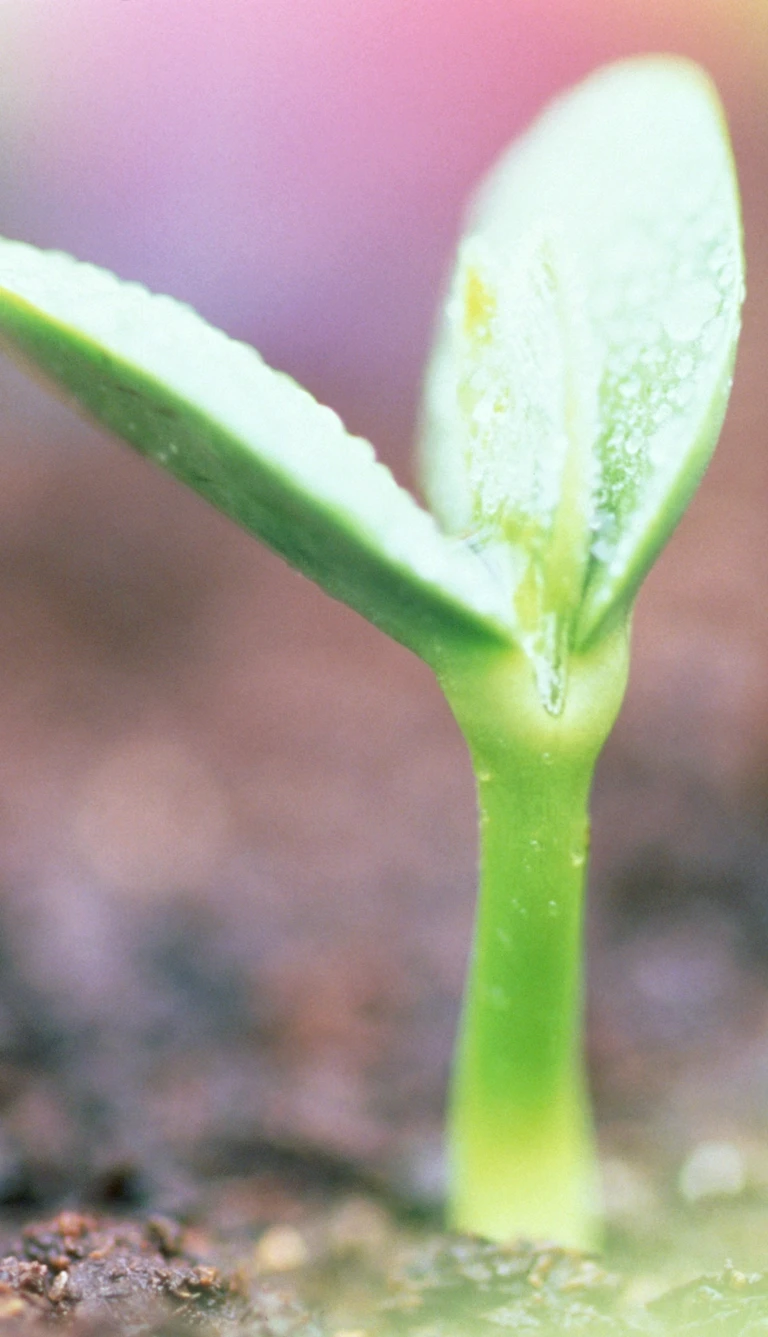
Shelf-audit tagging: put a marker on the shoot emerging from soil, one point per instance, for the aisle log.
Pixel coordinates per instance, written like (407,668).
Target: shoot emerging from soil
(576,392)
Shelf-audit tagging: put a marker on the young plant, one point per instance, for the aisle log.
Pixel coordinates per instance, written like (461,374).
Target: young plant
(576,393)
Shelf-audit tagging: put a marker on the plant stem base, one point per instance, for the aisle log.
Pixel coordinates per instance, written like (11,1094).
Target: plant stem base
(521,1154)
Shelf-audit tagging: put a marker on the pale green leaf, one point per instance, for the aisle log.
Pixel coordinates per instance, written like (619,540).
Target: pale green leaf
(251,441)
(625,331)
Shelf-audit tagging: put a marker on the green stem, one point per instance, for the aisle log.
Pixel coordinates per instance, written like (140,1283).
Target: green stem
(520,1143)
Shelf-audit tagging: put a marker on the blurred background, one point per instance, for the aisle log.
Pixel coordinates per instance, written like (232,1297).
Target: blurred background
(237,855)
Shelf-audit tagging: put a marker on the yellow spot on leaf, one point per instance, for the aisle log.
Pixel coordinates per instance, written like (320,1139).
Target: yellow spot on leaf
(479,307)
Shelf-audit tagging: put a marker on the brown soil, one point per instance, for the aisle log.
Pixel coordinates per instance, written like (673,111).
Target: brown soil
(352,1269)
(96,1275)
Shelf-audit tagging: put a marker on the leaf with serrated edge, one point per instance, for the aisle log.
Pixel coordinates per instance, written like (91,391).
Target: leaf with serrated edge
(632,172)
(252,442)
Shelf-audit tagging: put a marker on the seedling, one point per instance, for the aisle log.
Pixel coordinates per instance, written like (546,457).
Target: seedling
(575,395)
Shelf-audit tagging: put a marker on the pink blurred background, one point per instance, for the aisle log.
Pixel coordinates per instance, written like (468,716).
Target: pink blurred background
(192,734)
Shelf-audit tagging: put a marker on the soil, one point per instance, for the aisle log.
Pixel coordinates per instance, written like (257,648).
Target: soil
(93,1274)
(352,1269)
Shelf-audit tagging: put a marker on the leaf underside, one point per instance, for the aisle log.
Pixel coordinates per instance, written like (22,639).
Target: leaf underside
(626,186)
(249,440)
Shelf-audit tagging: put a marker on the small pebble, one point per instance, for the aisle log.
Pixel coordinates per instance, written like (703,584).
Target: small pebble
(280,1249)
(713,1170)
(11,1306)
(58,1287)
(359,1226)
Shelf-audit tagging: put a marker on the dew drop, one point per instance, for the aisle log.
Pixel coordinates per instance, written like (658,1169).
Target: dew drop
(682,395)
(689,311)
(601,549)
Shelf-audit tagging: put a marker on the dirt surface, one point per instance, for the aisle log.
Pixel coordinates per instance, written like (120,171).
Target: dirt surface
(352,1268)
(92,1274)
